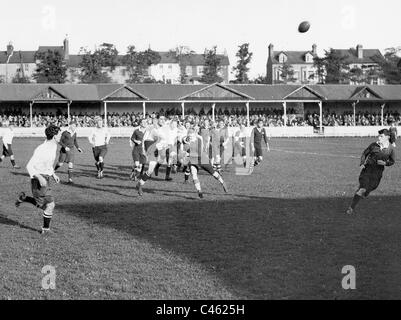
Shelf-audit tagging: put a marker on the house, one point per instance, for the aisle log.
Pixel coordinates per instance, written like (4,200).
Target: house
(364,61)
(301,62)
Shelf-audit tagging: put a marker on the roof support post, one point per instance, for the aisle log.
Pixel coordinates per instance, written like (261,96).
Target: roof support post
(285,113)
(69,111)
(320,117)
(105,113)
(248,122)
(183,110)
(213,111)
(382,113)
(144,109)
(354,114)
(30,112)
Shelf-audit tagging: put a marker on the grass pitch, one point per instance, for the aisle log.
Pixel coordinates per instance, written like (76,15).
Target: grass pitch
(280,233)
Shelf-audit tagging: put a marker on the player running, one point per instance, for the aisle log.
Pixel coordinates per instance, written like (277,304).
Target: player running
(40,169)
(7,147)
(68,142)
(258,134)
(99,138)
(160,151)
(138,149)
(377,156)
(193,146)
(166,146)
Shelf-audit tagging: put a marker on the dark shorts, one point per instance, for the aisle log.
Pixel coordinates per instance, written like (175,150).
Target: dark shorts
(7,152)
(66,156)
(42,195)
(207,167)
(100,151)
(258,151)
(370,178)
(138,155)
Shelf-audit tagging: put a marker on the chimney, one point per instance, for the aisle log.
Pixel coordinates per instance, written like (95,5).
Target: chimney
(271,51)
(66,48)
(314,49)
(359,50)
(10,49)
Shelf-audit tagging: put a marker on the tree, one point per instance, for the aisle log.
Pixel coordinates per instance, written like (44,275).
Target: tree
(390,65)
(183,54)
(241,69)
(212,67)
(357,75)
(287,73)
(259,80)
(318,63)
(51,67)
(108,55)
(336,67)
(91,68)
(137,64)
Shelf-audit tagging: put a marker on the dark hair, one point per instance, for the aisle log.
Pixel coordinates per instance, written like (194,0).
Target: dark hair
(385,132)
(51,131)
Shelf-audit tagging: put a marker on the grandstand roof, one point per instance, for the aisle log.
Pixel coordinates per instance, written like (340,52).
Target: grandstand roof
(165,92)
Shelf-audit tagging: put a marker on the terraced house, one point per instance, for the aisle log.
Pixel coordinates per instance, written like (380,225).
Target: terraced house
(170,69)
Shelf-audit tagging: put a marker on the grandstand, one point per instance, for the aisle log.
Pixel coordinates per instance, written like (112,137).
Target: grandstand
(289,110)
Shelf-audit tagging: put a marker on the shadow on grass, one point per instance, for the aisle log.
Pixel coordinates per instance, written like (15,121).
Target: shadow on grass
(271,248)
(9,222)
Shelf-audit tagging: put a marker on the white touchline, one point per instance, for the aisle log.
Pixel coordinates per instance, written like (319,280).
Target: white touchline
(316,154)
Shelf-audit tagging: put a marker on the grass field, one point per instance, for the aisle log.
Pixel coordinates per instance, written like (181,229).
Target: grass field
(280,233)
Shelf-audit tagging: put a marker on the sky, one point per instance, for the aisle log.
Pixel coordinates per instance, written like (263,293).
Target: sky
(201,24)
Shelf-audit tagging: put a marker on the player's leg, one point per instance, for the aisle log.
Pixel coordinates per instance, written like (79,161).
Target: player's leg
(194,173)
(61,159)
(169,160)
(209,169)
(146,176)
(96,153)
(70,171)
(159,156)
(12,158)
(103,152)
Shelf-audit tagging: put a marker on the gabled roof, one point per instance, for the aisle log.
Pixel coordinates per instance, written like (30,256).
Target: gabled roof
(123,93)
(304,93)
(365,93)
(293,57)
(368,55)
(49,94)
(216,91)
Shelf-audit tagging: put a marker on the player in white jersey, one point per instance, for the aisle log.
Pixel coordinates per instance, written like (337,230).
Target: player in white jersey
(7,147)
(99,139)
(162,150)
(40,169)
(166,146)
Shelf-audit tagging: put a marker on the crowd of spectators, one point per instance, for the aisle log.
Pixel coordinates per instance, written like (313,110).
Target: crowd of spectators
(233,117)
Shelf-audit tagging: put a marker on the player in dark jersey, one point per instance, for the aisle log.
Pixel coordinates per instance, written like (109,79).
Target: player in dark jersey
(258,134)
(68,141)
(193,146)
(377,156)
(138,152)
(393,133)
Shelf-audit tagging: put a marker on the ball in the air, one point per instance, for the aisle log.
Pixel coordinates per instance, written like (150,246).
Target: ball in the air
(304,27)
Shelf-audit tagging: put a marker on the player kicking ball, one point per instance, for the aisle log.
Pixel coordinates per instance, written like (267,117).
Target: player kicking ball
(68,141)
(40,169)
(7,147)
(193,146)
(99,139)
(377,156)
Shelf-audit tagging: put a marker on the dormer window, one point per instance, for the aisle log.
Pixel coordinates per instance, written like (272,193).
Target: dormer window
(282,58)
(308,58)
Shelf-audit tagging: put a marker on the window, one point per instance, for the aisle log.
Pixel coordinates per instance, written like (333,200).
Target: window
(282,58)
(200,70)
(296,74)
(188,70)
